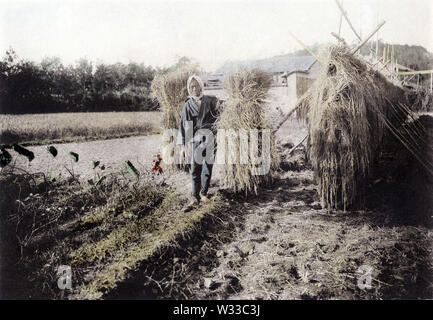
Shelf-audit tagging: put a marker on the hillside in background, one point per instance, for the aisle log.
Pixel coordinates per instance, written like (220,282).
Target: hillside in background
(414,57)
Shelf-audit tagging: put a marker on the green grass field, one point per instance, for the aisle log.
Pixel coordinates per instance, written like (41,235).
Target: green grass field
(36,129)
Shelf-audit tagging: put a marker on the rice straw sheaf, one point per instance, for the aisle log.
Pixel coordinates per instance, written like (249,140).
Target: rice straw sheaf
(171,91)
(350,110)
(244,111)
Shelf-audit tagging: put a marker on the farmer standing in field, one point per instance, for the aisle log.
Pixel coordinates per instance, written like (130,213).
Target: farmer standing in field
(197,128)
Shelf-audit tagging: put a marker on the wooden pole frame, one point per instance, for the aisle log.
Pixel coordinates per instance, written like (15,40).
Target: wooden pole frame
(284,119)
(350,24)
(340,23)
(347,20)
(339,38)
(305,47)
(380,25)
(408,73)
(385,65)
(431,81)
(343,13)
(298,144)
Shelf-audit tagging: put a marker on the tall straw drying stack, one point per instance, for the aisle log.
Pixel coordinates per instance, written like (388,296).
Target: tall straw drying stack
(171,91)
(247,91)
(350,110)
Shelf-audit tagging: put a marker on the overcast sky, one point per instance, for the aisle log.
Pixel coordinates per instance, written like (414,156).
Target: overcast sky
(157,33)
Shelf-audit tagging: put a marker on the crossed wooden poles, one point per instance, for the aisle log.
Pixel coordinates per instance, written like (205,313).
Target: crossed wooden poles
(341,40)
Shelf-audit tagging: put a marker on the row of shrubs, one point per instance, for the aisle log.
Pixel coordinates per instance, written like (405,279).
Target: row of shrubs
(51,86)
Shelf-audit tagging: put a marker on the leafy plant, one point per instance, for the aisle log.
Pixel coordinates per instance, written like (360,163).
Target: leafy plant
(52,150)
(95,164)
(132,170)
(74,156)
(5,158)
(24,152)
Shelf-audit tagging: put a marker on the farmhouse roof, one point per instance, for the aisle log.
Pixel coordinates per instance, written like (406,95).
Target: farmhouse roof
(286,64)
(215,76)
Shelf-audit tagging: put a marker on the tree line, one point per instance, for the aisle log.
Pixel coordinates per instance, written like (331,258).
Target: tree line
(414,57)
(51,86)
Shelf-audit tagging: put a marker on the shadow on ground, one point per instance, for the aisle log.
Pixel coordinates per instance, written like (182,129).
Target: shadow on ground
(281,244)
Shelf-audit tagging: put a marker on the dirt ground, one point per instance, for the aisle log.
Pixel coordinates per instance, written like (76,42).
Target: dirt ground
(281,244)
(290,248)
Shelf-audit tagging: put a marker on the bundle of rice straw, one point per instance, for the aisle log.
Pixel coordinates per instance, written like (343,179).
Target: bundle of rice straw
(421,100)
(171,91)
(350,110)
(244,111)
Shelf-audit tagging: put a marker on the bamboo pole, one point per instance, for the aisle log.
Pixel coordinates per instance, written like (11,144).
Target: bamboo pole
(347,20)
(379,60)
(284,119)
(392,55)
(431,82)
(369,36)
(349,23)
(339,38)
(384,66)
(388,51)
(406,73)
(377,45)
(306,48)
(297,145)
(340,23)
(339,27)
(411,78)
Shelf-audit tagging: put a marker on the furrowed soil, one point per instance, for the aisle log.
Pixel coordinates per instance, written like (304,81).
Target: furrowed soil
(280,244)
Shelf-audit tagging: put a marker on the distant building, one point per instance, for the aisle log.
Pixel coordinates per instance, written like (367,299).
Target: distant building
(296,72)
(291,77)
(213,81)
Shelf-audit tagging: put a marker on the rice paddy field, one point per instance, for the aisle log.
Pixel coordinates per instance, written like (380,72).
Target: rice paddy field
(31,129)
